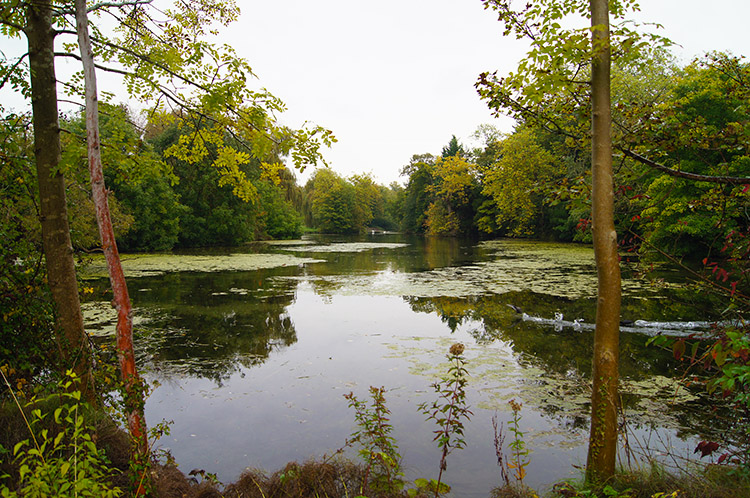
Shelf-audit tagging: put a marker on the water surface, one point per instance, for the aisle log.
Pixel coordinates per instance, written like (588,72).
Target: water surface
(252,350)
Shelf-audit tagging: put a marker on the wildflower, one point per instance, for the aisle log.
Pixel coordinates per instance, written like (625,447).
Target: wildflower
(457,349)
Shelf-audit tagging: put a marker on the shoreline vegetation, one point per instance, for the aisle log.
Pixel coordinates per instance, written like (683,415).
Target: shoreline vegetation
(85,448)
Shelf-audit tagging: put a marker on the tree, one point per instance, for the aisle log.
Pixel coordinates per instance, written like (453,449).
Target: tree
(602,452)
(166,62)
(522,166)
(453,148)
(212,214)
(134,398)
(698,129)
(278,217)
(452,191)
(27,327)
(393,206)
(144,207)
(332,203)
(417,196)
(368,200)
(559,70)
(35,20)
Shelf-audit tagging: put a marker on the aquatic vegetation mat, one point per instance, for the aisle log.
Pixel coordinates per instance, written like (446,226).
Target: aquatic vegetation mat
(147,265)
(497,374)
(101,318)
(549,277)
(282,243)
(346,247)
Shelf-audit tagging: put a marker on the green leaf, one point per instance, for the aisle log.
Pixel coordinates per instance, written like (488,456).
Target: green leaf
(422,483)
(19,445)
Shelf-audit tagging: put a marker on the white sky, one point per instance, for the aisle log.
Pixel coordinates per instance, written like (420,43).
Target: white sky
(394,78)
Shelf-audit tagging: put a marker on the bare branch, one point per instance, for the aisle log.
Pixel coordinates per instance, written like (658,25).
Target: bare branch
(119,5)
(73,102)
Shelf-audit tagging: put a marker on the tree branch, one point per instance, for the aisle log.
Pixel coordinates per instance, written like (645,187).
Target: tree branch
(13,25)
(732,180)
(104,5)
(173,98)
(119,5)
(162,67)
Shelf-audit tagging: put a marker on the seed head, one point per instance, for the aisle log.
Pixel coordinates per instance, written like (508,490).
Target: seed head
(515,405)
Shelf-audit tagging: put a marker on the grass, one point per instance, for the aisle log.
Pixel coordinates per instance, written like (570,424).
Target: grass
(712,481)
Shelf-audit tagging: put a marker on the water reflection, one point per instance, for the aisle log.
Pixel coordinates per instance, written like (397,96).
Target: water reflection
(210,325)
(253,364)
(557,364)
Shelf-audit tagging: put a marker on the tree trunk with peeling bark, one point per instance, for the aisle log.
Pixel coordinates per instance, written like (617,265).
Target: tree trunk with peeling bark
(134,387)
(58,250)
(604,399)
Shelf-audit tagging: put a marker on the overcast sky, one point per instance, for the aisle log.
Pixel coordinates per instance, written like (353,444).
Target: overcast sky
(394,78)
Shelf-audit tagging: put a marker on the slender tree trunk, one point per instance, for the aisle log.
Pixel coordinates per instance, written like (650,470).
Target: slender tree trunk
(134,392)
(603,439)
(58,250)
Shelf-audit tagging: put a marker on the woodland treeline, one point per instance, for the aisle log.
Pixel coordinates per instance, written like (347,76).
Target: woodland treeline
(534,182)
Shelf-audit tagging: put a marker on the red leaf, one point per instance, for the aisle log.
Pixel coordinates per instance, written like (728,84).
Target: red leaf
(678,348)
(706,448)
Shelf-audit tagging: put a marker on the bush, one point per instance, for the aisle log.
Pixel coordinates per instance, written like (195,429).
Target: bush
(61,457)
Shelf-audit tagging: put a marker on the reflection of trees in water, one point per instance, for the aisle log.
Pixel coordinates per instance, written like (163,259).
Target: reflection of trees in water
(452,311)
(558,352)
(210,325)
(564,357)
(441,251)
(214,342)
(419,254)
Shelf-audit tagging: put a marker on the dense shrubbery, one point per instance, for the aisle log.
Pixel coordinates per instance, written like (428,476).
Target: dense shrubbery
(26,321)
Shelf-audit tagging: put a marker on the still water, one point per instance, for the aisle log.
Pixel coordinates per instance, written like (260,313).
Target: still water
(252,349)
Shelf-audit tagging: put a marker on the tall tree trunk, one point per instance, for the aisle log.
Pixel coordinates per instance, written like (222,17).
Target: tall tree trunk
(604,399)
(134,392)
(58,250)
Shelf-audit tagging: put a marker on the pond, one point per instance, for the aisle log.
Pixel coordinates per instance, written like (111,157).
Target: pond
(252,349)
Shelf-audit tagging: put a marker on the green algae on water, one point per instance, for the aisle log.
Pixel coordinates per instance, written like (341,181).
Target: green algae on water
(494,277)
(346,247)
(101,318)
(147,265)
(290,242)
